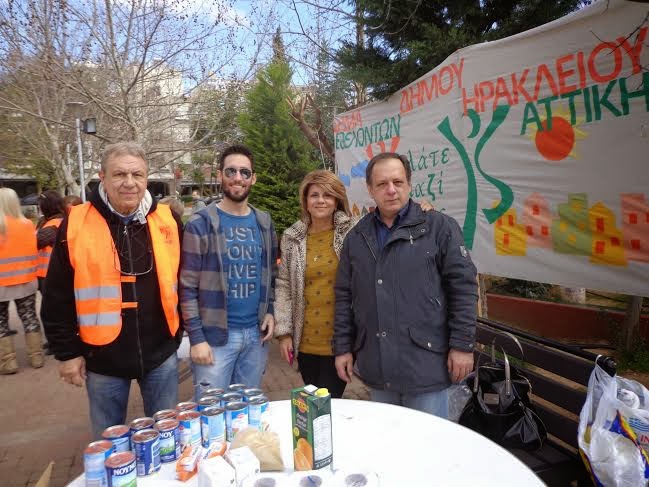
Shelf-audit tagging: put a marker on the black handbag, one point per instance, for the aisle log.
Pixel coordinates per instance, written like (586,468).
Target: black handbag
(500,406)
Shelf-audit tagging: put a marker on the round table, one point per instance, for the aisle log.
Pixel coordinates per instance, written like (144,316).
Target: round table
(403,446)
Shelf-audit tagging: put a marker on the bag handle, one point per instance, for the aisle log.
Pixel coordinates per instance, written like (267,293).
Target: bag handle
(514,339)
(508,377)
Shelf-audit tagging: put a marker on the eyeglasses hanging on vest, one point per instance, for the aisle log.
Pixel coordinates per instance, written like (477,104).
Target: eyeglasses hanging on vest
(133,254)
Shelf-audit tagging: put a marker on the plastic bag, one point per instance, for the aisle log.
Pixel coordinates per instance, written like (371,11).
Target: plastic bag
(458,396)
(613,427)
(265,446)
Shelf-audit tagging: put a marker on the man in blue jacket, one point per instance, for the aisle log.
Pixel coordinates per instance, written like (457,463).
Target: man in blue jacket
(406,297)
(227,279)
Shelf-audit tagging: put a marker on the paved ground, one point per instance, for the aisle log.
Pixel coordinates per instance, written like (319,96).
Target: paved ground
(45,420)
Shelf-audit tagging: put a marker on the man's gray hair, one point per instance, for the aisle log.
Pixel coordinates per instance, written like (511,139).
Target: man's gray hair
(122,148)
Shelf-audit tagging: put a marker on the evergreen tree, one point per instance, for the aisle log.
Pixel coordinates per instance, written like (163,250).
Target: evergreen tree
(405,39)
(282,154)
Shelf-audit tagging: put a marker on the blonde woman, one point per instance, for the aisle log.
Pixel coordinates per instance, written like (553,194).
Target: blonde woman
(304,289)
(18,266)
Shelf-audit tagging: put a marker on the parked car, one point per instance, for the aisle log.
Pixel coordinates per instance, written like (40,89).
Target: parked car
(30,199)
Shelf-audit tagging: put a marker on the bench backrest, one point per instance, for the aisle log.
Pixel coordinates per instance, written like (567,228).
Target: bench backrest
(558,373)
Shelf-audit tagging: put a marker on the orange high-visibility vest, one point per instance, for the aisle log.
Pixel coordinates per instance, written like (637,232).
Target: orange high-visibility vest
(45,253)
(98,282)
(18,254)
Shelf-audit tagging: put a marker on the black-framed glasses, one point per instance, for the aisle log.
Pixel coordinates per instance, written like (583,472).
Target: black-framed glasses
(139,257)
(230,172)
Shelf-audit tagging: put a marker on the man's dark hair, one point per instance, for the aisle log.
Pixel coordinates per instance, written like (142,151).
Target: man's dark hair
(236,149)
(384,156)
(51,203)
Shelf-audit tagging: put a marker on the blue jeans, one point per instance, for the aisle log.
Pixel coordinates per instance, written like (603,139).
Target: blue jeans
(108,396)
(240,361)
(429,402)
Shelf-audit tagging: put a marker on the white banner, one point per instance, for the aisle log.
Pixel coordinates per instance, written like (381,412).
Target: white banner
(537,144)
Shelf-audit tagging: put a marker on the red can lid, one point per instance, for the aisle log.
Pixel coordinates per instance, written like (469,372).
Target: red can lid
(144,436)
(120,459)
(115,431)
(188,415)
(101,446)
(166,424)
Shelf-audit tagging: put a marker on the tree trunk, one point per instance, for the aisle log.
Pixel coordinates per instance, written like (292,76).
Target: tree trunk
(482,297)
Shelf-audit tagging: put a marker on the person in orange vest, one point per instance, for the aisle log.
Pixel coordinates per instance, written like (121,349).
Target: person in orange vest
(53,210)
(110,310)
(70,201)
(18,261)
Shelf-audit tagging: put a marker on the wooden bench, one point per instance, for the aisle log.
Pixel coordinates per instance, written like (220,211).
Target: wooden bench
(559,376)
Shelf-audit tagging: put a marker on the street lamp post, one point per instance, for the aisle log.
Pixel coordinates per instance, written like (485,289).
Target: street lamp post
(88,126)
(82,176)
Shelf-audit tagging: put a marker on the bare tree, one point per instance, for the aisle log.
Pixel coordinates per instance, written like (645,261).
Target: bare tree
(133,65)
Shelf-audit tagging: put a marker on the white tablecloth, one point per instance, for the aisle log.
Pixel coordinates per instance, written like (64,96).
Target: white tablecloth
(403,446)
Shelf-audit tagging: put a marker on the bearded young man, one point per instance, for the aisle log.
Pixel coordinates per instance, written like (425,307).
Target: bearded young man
(227,280)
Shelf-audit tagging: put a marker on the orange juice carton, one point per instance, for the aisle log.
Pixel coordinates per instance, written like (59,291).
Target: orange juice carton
(216,472)
(244,462)
(311,421)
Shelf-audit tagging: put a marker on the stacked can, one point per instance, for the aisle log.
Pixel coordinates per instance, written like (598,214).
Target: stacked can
(258,413)
(169,430)
(252,392)
(212,426)
(186,406)
(231,397)
(120,469)
(208,402)
(237,388)
(190,428)
(120,436)
(236,418)
(140,424)
(214,391)
(94,457)
(165,414)
(146,445)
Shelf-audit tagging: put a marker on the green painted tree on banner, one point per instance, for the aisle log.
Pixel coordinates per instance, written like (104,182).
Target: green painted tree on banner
(282,154)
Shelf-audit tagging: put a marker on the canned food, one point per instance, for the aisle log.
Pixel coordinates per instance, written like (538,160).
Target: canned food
(165,414)
(169,430)
(140,424)
(258,413)
(190,428)
(237,388)
(236,418)
(146,445)
(214,391)
(252,392)
(231,397)
(120,436)
(120,469)
(208,402)
(186,406)
(212,426)
(94,457)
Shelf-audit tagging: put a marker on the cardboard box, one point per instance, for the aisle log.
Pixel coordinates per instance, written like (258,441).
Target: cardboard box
(216,472)
(244,462)
(311,421)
